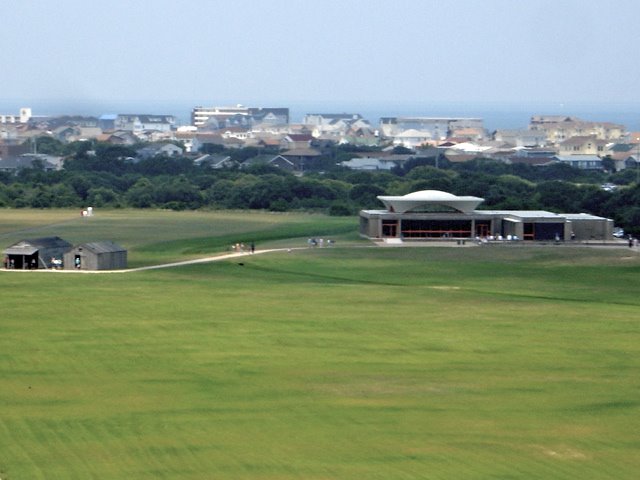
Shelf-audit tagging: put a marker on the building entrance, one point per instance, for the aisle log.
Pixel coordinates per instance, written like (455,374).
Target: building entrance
(390,228)
(483,229)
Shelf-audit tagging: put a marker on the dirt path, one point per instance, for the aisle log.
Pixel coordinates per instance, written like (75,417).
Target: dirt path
(227,256)
(217,258)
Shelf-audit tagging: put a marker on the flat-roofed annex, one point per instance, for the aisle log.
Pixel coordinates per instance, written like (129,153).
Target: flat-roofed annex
(430,200)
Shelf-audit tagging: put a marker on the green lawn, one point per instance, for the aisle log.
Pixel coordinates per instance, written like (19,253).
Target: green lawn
(333,363)
(163,236)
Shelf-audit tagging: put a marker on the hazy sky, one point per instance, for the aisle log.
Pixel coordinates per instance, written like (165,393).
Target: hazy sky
(264,52)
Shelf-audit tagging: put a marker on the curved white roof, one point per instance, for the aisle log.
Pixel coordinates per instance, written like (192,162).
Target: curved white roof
(426,198)
(429,195)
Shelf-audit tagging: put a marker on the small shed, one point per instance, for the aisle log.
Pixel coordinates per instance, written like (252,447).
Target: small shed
(104,255)
(35,253)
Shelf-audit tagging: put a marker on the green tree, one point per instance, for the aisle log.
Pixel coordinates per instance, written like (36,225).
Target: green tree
(431,178)
(178,194)
(141,195)
(102,197)
(48,145)
(219,193)
(365,195)
(64,196)
(510,192)
(558,196)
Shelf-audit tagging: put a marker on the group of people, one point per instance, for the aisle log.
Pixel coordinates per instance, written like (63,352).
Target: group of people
(10,264)
(319,242)
(498,238)
(241,247)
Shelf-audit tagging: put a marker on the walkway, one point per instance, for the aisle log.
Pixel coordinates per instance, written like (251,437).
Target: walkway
(217,258)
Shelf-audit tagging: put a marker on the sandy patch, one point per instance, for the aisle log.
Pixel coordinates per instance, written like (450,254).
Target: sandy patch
(563,453)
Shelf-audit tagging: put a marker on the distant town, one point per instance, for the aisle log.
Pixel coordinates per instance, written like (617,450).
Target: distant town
(387,142)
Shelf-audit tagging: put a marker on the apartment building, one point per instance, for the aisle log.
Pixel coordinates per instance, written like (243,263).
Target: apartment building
(559,128)
(223,117)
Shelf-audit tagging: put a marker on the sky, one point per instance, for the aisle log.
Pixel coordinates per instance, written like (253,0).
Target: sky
(327,52)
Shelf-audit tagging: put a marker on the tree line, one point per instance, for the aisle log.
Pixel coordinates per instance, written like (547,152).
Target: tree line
(107,176)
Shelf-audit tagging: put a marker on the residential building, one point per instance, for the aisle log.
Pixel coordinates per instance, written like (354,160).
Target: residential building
(221,117)
(521,137)
(159,150)
(71,133)
(28,160)
(318,119)
(584,162)
(107,122)
(434,128)
(13,147)
(568,127)
(119,137)
(539,120)
(279,161)
(22,117)
(623,160)
(215,161)
(140,122)
(583,145)
(335,125)
(412,138)
(237,132)
(296,140)
(302,158)
(536,152)
(376,162)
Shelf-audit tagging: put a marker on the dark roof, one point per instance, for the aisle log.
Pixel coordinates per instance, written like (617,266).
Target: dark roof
(338,116)
(48,242)
(301,152)
(261,159)
(26,161)
(280,110)
(20,250)
(622,147)
(30,246)
(300,137)
(212,159)
(147,118)
(531,160)
(105,246)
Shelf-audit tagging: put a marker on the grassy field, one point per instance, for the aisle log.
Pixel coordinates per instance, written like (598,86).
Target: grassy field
(164,236)
(333,363)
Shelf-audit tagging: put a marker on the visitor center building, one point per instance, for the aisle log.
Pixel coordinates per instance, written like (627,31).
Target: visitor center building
(431,214)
